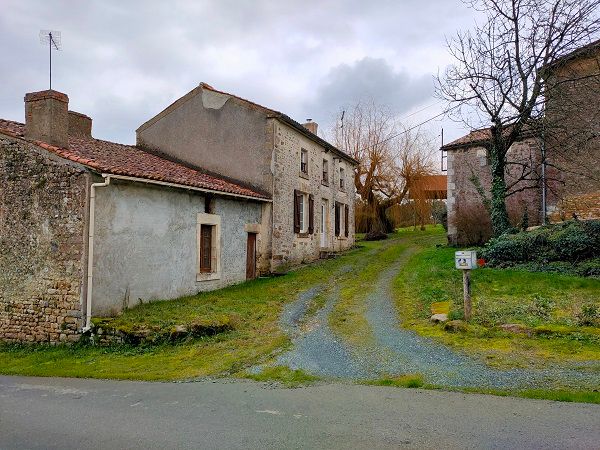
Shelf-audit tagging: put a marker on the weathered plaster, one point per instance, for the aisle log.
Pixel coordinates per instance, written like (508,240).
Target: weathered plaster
(146,244)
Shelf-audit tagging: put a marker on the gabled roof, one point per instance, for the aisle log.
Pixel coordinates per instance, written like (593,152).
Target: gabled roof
(482,136)
(118,159)
(270,113)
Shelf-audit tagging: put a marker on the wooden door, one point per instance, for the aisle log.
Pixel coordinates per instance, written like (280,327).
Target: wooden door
(251,257)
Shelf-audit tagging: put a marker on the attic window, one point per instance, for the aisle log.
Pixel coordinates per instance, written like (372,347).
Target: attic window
(304,161)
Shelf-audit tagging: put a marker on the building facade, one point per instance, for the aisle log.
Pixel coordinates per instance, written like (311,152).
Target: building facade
(90,227)
(309,180)
(561,157)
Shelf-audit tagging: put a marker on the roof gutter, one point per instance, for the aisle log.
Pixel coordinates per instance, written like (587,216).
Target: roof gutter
(183,186)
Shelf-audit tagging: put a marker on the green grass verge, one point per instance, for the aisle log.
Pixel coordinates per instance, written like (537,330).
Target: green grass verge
(283,375)
(406,381)
(548,305)
(253,307)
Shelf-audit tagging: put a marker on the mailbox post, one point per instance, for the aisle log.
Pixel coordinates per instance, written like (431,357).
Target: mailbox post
(465,261)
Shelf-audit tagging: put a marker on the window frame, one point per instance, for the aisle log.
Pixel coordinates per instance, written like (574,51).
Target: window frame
(304,164)
(214,221)
(342,183)
(325,172)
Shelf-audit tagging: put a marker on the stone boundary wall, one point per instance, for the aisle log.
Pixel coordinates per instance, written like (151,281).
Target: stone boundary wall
(42,244)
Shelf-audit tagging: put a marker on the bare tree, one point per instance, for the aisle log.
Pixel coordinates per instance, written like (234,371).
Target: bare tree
(389,160)
(498,76)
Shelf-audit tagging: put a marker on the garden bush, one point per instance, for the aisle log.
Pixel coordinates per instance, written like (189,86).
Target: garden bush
(569,247)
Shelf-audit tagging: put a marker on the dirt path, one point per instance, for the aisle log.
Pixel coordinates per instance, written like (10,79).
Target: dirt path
(394,350)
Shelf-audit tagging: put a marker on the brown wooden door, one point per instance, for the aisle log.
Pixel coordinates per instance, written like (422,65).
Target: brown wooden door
(251,257)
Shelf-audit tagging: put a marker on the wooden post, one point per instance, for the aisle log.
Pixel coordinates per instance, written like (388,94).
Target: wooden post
(467,293)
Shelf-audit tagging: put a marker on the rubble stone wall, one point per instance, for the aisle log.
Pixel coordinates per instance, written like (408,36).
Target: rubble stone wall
(42,244)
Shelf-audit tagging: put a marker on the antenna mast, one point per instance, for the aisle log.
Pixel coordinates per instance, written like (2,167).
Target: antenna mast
(52,38)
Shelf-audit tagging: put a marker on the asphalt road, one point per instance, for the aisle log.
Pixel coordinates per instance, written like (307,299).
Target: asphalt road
(75,413)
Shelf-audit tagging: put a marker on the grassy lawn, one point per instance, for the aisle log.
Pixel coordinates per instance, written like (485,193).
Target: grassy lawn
(548,306)
(253,308)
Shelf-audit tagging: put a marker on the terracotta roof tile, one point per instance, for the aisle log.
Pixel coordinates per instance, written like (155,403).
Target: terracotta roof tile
(118,159)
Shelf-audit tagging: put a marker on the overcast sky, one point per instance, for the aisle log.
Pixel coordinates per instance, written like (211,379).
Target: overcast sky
(124,61)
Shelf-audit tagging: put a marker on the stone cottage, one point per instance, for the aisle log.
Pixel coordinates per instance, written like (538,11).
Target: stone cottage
(310,181)
(90,227)
(565,182)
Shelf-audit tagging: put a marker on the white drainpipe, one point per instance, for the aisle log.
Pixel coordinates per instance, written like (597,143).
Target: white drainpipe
(90,263)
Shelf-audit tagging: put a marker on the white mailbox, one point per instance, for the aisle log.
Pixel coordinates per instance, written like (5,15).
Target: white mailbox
(466,260)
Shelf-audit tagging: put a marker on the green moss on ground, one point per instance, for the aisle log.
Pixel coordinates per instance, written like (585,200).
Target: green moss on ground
(283,375)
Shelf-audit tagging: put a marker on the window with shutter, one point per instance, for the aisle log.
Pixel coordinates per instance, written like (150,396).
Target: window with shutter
(346,209)
(337,219)
(311,214)
(205,248)
(208,234)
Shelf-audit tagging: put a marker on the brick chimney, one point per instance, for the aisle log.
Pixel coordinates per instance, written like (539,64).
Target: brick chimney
(311,126)
(80,125)
(47,118)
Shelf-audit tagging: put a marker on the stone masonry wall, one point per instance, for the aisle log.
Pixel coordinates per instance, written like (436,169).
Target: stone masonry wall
(466,213)
(573,137)
(290,247)
(42,241)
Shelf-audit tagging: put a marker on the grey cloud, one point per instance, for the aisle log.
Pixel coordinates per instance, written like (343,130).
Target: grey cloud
(370,79)
(123,61)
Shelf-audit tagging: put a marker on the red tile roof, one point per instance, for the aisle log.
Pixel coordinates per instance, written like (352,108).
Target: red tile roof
(483,135)
(118,159)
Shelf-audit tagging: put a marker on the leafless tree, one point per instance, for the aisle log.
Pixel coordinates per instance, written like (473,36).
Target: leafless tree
(389,159)
(498,76)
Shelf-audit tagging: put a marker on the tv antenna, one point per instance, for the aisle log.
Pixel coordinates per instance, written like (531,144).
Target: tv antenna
(52,39)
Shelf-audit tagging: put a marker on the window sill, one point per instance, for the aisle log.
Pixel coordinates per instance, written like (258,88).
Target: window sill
(304,234)
(341,238)
(303,175)
(324,183)
(208,276)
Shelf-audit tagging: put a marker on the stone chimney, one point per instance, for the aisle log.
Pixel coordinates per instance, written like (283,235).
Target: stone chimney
(80,125)
(47,117)
(311,126)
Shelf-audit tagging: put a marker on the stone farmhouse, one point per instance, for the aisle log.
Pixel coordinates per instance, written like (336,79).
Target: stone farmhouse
(217,191)
(565,182)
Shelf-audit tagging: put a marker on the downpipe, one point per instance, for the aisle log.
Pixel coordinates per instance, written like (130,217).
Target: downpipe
(90,261)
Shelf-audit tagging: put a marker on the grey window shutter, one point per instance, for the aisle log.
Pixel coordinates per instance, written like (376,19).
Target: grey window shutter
(337,219)
(311,214)
(346,209)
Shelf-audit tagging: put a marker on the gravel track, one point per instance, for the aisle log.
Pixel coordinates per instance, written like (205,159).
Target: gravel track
(317,350)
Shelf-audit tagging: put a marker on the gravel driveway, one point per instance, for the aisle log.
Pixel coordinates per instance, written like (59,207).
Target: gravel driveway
(395,351)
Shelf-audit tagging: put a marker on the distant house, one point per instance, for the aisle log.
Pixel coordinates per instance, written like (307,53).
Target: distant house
(566,184)
(219,190)
(430,187)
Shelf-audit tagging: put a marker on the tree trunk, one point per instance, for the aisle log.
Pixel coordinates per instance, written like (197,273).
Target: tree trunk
(498,212)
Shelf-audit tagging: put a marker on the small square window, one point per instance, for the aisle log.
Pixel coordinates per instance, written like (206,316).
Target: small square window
(304,161)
